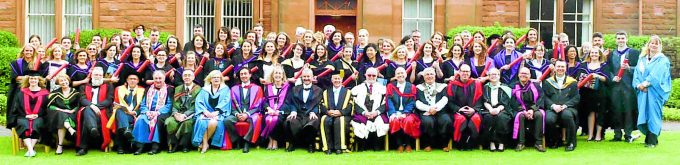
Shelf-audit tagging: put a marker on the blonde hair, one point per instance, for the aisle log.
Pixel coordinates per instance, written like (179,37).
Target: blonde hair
(62,75)
(41,82)
(602,58)
(50,53)
(277,68)
(214,73)
(646,51)
(394,55)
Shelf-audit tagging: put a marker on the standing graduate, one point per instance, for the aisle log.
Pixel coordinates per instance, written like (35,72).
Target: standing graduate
(302,123)
(594,93)
(479,60)
(426,59)
(154,109)
(161,64)
(30,110)
(109,62)
(452,66)
(573,61)
(180,125)
(527,98)
(132,63)
(80,70)
(465,102)
(623,99)
(336,108)
(265,62)
(370,121)
(320,64)
(503,59)
(404,123)
(247,98)
(497,112)
(213,106)
(398,59)
(127,100)
(538,64)
(336,44)
(347,67)
(63,102)
(652,80)
(561,101)
(370,59)
(431,102)
(20,69)
(96,100)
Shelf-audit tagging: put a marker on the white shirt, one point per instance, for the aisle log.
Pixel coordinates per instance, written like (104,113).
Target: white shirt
(401,99)
(560,80)
(494,96)
(336,95)
(95,95)
(305,94)
(244,91)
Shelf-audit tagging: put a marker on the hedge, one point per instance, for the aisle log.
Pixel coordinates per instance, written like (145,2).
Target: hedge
(8,39)
(7,55)
(674,99)
(86,35)
(671,114)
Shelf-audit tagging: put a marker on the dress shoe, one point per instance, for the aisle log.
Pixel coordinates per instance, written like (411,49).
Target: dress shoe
(428,149)
(400,149)
(408,148)
(338,152)
(328,152)
(616,140)
(94,132)
(121,150)
(290,148)
(154,149)
(540,148)
(173,149)
(139,151)
(81,152)
(246,147)
(446,149)
(185,149)
(520,147)
(570,147)
(650,145)
(310,149)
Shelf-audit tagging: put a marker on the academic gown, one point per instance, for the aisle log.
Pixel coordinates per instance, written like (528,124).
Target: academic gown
(147,130)
(650,103)
(57,99)
(402,103)
(594,94)
(29,103)
(369,102)
(275,99)
(524,98)
(496,128)
(183,102)
(250,104)
(623,99)
(435,128)
(303,128)
(561,94)
(501,59)
(88,121)
(19,68)
(207,101)
(466,127)
(335,130)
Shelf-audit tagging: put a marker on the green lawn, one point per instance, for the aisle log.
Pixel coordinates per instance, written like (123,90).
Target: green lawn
(586,153)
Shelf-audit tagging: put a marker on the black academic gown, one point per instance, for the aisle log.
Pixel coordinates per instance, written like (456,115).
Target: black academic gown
(561,94)
(335,129)
(302,128)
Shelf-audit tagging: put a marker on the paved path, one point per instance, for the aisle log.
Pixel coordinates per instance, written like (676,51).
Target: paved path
(667,126)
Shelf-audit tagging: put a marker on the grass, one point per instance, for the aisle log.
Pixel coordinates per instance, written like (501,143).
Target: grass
(586,153)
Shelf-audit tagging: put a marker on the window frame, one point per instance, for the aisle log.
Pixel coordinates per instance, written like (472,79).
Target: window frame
(589,23)
(64,28)
(27,18)
(417,19)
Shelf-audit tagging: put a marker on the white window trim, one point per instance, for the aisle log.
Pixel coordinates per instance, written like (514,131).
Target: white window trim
(553,21)
(417,18)
(589,23)
(27,15)
(64,15)
(189,33)
(223,17)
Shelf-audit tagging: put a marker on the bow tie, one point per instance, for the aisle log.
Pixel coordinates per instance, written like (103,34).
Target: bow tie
(246,86)
(307,89)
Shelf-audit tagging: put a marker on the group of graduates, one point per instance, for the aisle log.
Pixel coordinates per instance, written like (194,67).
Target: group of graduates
(324,91)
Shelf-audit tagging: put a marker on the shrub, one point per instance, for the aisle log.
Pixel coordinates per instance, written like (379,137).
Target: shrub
(7,55)
(86,36)
(674,99)
(3,108)
(671,114)
(8,39)
(487,30)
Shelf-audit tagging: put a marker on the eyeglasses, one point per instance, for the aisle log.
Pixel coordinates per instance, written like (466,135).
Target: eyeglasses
(91,48)
(371,75)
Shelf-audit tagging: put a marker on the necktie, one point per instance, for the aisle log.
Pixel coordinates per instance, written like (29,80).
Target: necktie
(370,88)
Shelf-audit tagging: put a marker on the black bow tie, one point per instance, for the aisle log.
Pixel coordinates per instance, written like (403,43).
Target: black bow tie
(307,89)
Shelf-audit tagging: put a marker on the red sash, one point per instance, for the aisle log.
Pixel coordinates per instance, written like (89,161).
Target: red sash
(106,133)
(36,108)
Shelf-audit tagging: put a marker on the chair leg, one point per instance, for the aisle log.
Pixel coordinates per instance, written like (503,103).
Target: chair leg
(387,142)
(418,144)
(15,142)
(450,144)
(47,149)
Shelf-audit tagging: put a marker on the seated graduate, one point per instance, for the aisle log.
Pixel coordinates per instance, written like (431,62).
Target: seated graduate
(561,99)
(497,112)
(180,125)
(465,102)
(127,100)
(97,99)
(63,103)
(527,98)
(436,123)
(302,123)
(336,108)
(247,98)
(154,109)
(30,109)
(404,123)
(275,97)
(370,121)
(213,106)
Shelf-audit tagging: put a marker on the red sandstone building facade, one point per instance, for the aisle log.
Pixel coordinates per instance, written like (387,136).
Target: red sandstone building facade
(383,18)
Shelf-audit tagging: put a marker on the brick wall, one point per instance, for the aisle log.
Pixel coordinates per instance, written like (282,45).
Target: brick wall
(124,14)
(659,17)
(505,12)
(8,16)
(618,15)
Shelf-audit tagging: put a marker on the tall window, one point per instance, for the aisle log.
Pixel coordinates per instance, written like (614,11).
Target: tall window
(541,16)
(418,15)
(578,20)
(199,12)
(238,13)
(40,19)
(77,14)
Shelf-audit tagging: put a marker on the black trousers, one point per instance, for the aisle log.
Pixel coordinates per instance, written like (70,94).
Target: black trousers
(436,129)
(535,127)
(335,132)
(555,121)
(302,128)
